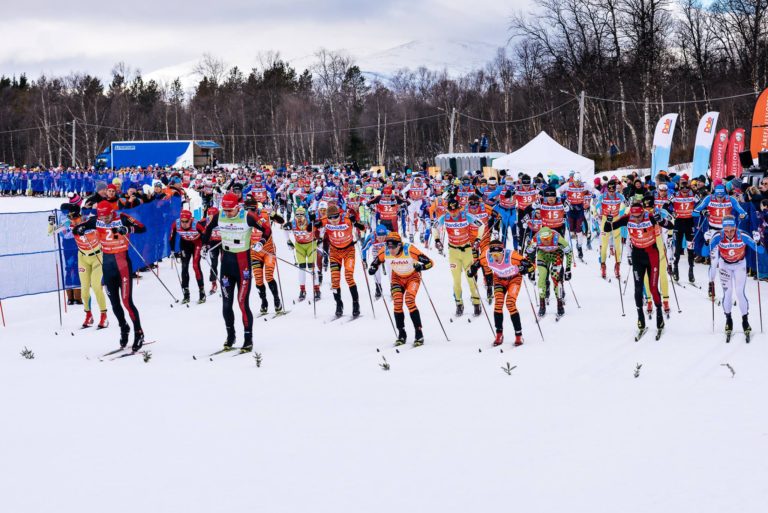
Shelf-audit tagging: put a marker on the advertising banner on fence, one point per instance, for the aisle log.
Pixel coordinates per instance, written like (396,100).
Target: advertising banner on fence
(705,134)
(662,143)
(759,140)
(717,165)
(736,145)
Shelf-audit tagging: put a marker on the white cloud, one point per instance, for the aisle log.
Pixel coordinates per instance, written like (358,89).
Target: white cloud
(92,35)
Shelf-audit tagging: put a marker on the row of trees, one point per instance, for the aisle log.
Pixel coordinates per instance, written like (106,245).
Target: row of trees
(638,56)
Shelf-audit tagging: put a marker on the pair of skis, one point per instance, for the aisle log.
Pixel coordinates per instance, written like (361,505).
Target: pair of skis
(644,330)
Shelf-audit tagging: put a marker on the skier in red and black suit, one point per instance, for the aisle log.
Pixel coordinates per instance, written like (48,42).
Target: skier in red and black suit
(114,229)
(214,246)
(647,247)
(190,244)
(235,226)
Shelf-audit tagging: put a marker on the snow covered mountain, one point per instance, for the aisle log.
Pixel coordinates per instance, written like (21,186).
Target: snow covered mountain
(456,56)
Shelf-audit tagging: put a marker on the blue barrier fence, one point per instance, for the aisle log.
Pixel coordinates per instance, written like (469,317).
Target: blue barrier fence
(34,262)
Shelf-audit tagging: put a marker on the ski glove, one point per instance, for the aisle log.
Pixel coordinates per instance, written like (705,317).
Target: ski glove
(373,268)
(567,275)
(257,247)
(122,230)
(290,244)
(418,267)
(756,236)
(52,220)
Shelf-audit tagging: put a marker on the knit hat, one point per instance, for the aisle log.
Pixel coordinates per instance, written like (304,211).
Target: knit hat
(100,185)
(74,198)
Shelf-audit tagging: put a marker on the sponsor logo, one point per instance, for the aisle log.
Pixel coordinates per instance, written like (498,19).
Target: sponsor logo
(708,125)
(124,147)
(667,126)
(723,136)
(739,136)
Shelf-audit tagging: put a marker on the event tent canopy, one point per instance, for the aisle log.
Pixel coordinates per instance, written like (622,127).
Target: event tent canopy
(543,154)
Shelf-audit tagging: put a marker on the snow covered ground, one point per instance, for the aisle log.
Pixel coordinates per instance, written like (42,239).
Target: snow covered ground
(321,427)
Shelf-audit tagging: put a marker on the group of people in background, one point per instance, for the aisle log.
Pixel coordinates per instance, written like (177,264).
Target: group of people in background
(498,229)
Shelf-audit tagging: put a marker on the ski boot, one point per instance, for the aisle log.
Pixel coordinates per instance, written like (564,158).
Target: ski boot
(459,309)
(476,310)
(264,308)
(230,339)
(339,303)
(317,292)
(278,305)
(378,291)
(542,307)
(518,339)
(560,307)
(186,297)
(355,308)
(247,344)
(88,322)
(745,325)
(302,293)
(418,340)
(138,341)
(691,277)
(103,321)
(214,287)
(410,238)
(401,337)
(319,277)
(666,307)
(649,308)
(499,339)
(728,327)
(489,293)
(659,322)
(617,270)
(675,273)
(580,252)
(124,331)
(602,270)
(202,296)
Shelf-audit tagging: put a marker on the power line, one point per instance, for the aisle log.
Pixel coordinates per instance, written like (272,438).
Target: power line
(518,120)
(32,128)
(681,102)
(276,134)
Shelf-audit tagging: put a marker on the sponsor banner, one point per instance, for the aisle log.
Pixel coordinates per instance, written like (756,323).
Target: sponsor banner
(705,134)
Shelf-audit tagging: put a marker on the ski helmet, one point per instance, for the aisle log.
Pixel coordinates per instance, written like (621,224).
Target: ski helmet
(381,231)
(185,215)
(104,209)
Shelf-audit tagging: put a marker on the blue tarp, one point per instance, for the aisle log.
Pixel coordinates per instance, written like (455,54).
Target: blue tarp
(33,262)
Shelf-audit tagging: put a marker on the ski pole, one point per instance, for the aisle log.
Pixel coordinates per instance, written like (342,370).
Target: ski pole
(490,325)
(279,282)
(386,308)
(666,262)
(368,286)
(152,270)
(533,310)
(313,259)
(621,296)
(223,290)
(433,309)
(2,314)
(574,294)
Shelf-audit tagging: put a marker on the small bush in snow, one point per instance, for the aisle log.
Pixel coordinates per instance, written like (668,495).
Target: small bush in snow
(147,356)
(258,358)
(385,365)
(509,368)
(637,369)
(28,354)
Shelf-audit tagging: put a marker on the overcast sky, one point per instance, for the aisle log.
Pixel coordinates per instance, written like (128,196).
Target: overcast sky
(51,36)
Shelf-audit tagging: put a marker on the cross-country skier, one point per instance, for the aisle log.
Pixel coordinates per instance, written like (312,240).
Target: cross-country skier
(114,229)
(190,249)
(728,250)
(553,257)
(405,262)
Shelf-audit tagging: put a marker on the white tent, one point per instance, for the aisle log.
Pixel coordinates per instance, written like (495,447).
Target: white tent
(543,154)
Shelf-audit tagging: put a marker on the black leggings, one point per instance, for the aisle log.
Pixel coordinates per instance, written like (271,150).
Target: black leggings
(191,251)
(646,261)
(683,228)
(117,270)
(236,273)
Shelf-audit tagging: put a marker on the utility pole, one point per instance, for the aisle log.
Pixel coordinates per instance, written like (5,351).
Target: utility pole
(453,124)
(581,122)
(74,162)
